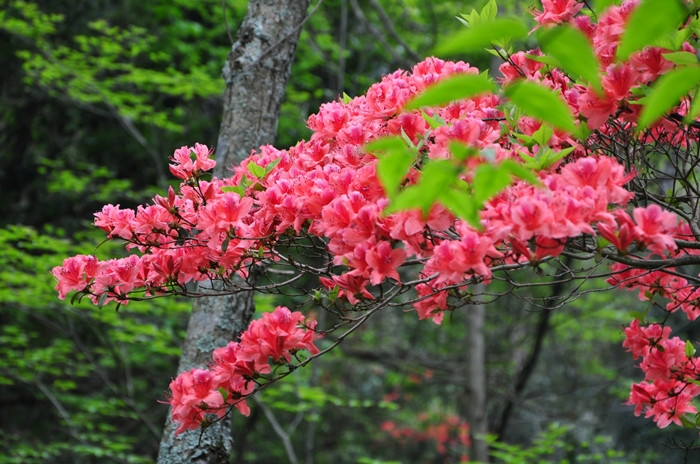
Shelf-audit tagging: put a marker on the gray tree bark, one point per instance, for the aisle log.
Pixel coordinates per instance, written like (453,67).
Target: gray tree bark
(472,403)
(476,385)
(256,74)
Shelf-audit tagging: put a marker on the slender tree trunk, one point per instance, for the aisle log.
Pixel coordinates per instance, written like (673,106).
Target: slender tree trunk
(473,404)
(256,74)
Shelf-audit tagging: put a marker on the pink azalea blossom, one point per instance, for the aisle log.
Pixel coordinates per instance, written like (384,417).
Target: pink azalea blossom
(557,11)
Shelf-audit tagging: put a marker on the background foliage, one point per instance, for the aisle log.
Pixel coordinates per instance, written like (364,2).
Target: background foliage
(95,96)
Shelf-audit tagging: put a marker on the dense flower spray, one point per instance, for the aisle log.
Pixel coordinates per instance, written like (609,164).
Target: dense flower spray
(328,188)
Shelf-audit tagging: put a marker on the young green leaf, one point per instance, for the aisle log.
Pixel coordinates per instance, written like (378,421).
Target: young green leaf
(489,179)
(436,177)
(393,167)
(542,103)
(452,88)
(482,35)
(651,20)
(689,348)
(239,189)
(694,110)
(257,171)
(667,92)
(461,151)
(681,57)
(462,205)
(433,121)
(395,159)
(489,11)
(520,171)
(574,53)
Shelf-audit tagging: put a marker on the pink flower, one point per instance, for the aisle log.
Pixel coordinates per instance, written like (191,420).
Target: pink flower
(432,304)
(531,216)
(595,108)
(650,63)
(236,376)
(619,79)
(191,162)
(352,286)
(75,274)
(557,11)
(277,336)
(384,261)
(193,396)
(655,228)
(621,233)
(116,222)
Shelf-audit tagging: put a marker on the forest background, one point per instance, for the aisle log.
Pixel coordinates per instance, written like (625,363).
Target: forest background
(94,97)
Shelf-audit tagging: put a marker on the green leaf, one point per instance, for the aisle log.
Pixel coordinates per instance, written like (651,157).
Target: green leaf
(462,205)
(482,35)
(681,57)
(239,189)
(667,92)
(257,171)
(433,121)
(395,159)
(272,165)
(689,348)
(542,135)
(489,179)
(385,144)
(651,20)
(489,11)
(521,171)
(393,167)
(574,53)
(542,103)
(548,60)
(453,88)
(436,177)
(461,151)
(694,110)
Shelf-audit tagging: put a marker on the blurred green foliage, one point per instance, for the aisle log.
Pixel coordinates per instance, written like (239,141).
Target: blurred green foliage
(78,385)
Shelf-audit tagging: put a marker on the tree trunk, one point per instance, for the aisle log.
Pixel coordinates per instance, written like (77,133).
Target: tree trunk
(473,404)
(256,74)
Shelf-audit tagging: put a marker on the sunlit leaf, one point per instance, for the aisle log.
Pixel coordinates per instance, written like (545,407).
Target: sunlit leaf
(436,177)
(651,20)
(520,171)
(461,205)
(542,103)
(574,53)
(395,159)
(453,88)
(484,35)
(489,179)
(667,92)
(257,171)
(681,57)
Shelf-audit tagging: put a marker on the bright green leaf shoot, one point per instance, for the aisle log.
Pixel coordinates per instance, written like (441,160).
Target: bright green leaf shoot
(451,89)
(574,53)
(667,92)
(651,20)
(681,57)
(479,36)
(542,103)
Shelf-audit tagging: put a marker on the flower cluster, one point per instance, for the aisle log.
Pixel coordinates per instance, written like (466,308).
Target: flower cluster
(328,188)
(199,396)
(450,434)
(670,370)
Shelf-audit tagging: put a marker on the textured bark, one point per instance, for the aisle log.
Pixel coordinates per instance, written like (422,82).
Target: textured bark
(473,404)
(256,74)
